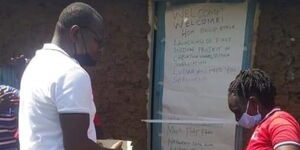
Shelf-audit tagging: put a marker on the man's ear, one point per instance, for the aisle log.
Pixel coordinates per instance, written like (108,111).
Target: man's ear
(254,101)
(74,32)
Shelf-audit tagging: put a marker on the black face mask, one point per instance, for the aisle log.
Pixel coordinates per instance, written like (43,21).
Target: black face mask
(84,59)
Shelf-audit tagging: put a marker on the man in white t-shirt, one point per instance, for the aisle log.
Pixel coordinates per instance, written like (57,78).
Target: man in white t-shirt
(57,108)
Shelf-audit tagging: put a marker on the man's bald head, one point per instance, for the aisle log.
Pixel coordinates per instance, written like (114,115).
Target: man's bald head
(79,14)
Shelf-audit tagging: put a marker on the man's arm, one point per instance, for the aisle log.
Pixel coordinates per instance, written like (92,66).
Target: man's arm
(288,147)
(74,127)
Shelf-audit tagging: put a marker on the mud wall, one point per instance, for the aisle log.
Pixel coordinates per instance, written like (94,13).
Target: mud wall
(278,51)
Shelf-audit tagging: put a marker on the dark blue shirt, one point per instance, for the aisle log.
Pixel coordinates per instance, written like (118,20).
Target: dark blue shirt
(8,122)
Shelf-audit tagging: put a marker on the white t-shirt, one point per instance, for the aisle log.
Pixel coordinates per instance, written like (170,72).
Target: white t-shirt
(52,83)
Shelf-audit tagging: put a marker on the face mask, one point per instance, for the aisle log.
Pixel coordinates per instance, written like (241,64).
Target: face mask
(248,121)
(84,59)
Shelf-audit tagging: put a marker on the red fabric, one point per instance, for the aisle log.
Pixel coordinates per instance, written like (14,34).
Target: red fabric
(97,120)
(275,129)
(16,135)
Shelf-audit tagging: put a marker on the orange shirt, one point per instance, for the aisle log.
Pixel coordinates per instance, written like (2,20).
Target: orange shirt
(276,129)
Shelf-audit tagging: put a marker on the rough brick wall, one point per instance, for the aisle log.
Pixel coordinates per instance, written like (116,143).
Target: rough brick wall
(278,51)
(25,26)
(119,80)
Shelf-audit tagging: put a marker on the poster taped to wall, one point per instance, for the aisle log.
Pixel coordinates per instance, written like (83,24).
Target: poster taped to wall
(204,45)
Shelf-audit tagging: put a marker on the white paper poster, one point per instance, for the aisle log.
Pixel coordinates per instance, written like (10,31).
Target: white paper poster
(203,53)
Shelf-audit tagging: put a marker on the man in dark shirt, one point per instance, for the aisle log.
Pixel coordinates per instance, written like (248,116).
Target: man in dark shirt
(9,99)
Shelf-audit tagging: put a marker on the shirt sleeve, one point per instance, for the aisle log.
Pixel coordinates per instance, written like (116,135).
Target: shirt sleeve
(73,92)
(284,130)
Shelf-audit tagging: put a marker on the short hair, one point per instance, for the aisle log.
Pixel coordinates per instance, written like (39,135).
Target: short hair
(254,82)
(80,14)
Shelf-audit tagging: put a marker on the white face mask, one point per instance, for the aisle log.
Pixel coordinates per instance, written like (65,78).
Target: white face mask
(248,121)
